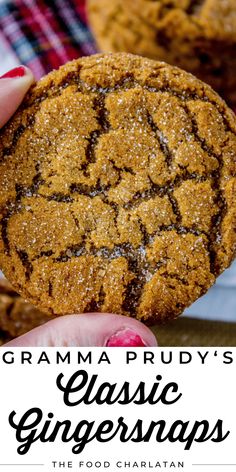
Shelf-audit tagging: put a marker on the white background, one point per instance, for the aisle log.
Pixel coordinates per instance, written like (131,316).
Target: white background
(208,393)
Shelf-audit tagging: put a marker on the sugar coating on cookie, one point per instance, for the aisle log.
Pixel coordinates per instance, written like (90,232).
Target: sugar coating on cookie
(197,35)
(117,189)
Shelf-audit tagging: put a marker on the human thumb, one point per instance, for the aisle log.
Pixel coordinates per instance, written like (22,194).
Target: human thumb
(13,87)
(91,329)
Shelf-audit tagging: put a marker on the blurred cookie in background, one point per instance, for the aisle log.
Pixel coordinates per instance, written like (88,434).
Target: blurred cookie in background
(5,286)
(196,35)
(16,316)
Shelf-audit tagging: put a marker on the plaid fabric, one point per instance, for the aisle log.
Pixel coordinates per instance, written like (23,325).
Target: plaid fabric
(44,34)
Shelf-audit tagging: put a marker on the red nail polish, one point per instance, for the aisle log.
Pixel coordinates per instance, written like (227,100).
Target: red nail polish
(14,73)
(125,338)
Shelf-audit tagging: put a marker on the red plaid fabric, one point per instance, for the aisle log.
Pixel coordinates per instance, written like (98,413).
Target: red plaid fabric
(45,34)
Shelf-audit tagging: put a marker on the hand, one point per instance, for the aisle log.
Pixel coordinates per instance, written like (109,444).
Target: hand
(93,329)
(13,87)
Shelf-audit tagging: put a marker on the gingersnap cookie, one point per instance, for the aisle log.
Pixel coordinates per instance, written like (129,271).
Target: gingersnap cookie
(199,36)
(17,317)
(5,286)
(117,189)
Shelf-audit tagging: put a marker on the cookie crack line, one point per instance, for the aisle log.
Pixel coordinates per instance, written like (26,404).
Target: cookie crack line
(138,240)
(175,206)
(21,191)
(104,127)
(118,250)
(15,208)
(138,264)
(23,255)
(126,83)
(194,7)
(216,222)
(7,151)
(33,191)
(162,140)
(158,190)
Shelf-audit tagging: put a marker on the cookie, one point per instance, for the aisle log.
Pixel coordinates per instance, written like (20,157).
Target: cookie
(199,36)
(117,189)
(17,317)
(6,287)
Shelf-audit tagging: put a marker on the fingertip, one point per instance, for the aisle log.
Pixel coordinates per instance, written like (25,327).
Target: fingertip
(89,330)
(13,87)
(16,73)
(122,331)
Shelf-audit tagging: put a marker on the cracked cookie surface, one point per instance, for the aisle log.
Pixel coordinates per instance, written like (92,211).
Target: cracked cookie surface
(117,189)
(197,35)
